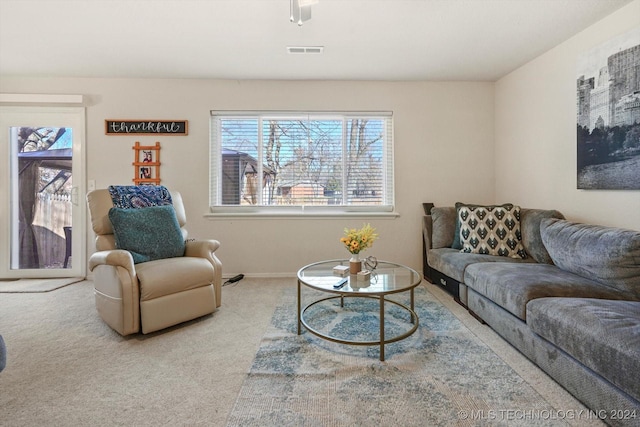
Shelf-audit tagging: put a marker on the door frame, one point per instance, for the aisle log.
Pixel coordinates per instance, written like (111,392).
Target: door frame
(53,116)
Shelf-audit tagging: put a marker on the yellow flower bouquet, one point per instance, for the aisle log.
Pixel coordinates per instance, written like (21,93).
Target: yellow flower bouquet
(359,240)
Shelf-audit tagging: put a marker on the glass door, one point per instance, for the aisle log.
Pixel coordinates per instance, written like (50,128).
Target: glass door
(43,214)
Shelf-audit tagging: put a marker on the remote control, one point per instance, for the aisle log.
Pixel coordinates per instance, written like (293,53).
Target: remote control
(341,283)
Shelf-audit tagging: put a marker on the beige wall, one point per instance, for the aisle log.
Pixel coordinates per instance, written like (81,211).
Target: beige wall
(535,133)
(444,149)
(441,130)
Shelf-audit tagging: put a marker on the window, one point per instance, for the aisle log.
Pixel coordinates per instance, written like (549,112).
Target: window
(298,162)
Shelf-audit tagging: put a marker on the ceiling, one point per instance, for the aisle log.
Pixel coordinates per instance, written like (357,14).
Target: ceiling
(474,40)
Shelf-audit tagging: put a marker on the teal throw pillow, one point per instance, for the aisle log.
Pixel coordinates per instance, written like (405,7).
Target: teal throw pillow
(147,233)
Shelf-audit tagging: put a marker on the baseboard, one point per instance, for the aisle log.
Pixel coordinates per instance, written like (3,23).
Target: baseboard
(262,275)
(475,316)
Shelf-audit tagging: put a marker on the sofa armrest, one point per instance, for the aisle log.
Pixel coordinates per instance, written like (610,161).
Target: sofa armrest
(427,230)
(206,249)
(3,354)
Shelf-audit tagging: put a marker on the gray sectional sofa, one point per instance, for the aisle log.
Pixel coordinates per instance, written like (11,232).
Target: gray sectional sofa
(572,305)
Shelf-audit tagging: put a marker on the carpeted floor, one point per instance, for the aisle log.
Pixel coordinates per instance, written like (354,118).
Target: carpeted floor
(36,285)
(66,367)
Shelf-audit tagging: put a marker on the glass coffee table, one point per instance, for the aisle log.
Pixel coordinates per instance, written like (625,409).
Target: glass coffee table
(387,278)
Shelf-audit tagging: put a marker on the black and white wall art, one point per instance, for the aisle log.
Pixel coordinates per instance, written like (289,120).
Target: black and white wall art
(608,115)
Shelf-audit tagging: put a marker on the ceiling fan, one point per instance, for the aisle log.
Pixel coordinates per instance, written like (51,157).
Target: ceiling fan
(301,10)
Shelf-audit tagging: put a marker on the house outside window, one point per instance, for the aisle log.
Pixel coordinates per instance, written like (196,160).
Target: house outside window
(287,162)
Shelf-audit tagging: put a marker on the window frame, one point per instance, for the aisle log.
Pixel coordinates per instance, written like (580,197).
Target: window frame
(216,209)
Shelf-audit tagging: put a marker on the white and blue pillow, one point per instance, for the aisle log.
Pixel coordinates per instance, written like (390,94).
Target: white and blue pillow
(491,230)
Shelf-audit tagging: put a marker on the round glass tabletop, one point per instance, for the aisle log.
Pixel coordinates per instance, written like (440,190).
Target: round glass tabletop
(386,278)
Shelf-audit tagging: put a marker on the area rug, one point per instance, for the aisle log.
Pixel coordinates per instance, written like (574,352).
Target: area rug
(36,285)
(442,375)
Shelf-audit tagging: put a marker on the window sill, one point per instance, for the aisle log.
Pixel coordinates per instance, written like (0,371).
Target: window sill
(298,215)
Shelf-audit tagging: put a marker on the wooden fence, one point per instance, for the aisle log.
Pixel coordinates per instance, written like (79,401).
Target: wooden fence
(53,212)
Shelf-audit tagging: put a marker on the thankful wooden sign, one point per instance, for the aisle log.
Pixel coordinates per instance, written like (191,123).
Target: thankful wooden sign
(146,127)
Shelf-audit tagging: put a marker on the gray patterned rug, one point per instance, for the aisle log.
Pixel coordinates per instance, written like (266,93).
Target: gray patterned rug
(441,375)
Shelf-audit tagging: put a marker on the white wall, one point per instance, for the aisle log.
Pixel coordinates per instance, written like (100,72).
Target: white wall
(441,131)
(535,133)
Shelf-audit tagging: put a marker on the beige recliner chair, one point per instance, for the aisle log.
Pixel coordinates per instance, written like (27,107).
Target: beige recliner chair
(152,295)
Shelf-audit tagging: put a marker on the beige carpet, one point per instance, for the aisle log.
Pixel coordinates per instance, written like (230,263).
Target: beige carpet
(66,367)
(36,285)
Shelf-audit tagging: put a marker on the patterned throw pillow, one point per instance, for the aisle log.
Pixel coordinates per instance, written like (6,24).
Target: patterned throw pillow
(139,196)
(457,243)
(491,230)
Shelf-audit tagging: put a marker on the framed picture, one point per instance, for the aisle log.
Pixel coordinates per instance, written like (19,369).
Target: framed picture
(146,172)
(146,127)
(146,156)
(608,115)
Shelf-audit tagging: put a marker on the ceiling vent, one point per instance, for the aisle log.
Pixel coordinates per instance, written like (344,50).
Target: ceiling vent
(305,49)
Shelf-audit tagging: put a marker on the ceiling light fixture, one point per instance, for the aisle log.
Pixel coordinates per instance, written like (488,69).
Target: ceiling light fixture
(300,10)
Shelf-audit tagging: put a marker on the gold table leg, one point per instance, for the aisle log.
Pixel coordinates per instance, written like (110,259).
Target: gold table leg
(382,327)
(299,307)
(381,299)
(413,320)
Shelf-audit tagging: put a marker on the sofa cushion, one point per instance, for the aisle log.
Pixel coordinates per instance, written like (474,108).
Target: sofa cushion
(148,233)
(610,256)
(603,335)
(530,227)
(452,262)
(444,223)
(491,230)
(513,285)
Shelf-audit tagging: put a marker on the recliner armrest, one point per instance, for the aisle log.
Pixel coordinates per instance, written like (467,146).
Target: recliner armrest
(201,248)
(115,257)
(117,290)
(206,249)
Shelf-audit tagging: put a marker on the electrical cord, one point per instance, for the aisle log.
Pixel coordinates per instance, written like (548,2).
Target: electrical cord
(233,279)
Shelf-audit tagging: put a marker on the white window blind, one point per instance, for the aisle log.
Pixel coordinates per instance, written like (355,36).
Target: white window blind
(294,160)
